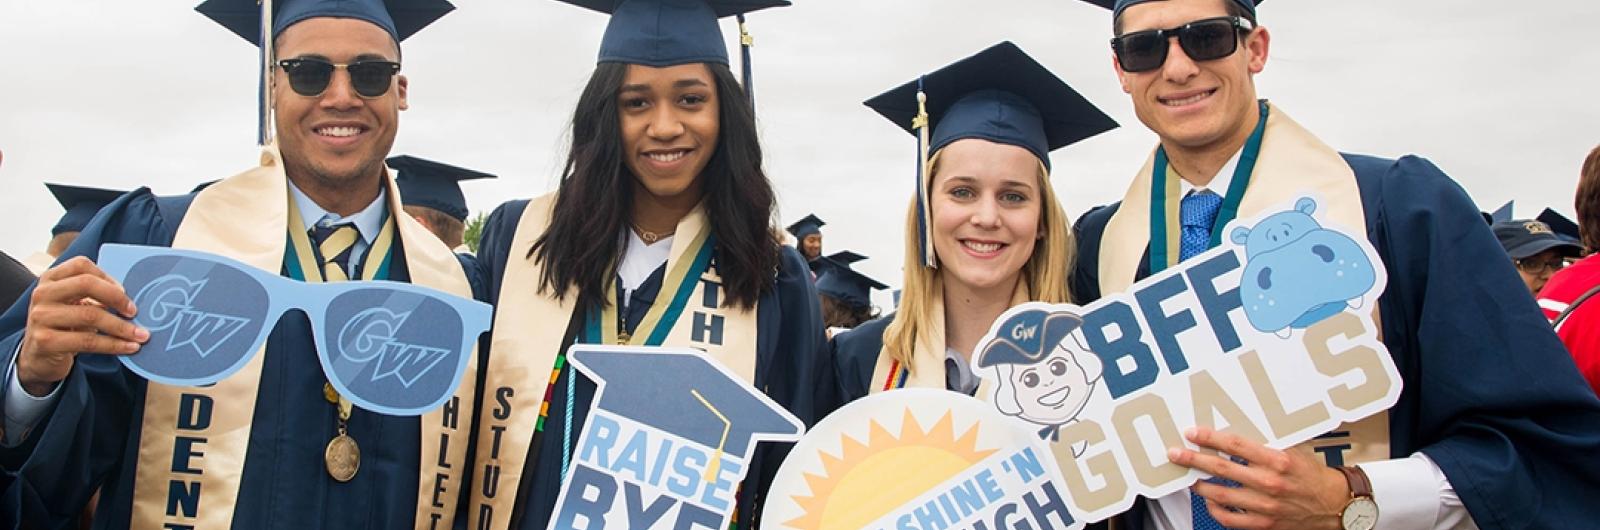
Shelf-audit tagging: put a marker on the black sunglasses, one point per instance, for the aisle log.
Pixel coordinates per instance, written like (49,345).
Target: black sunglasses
(310,77)
(1203,40)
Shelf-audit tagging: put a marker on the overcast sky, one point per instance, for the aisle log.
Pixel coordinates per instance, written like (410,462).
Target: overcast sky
(119,93)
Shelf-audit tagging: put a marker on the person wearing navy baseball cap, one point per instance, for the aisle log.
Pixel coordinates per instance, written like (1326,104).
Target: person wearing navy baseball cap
(1225,153)
(1537,250)
(984,230)
(274,445)
(659,234)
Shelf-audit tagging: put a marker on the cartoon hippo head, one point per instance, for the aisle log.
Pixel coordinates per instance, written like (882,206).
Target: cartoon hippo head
(1046,374)
(1297,272)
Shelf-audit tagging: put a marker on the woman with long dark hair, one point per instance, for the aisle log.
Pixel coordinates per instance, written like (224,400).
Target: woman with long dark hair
(659,235)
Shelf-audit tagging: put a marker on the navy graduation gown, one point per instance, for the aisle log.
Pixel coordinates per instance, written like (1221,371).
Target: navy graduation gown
(855,357)
(90,438)
(1490,394)
(789,367)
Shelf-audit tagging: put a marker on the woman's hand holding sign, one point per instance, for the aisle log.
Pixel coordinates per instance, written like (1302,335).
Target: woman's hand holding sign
(67,316)
(1278,489)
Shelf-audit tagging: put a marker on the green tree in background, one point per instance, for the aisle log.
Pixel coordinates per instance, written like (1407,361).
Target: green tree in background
(475,231)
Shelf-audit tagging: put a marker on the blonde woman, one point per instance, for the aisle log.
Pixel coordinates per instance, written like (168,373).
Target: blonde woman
(985,232)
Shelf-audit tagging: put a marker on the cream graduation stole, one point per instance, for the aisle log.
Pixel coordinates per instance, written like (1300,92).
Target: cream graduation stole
(38,262)
(193,440)
(926,369)
(529,330)
(1290,163)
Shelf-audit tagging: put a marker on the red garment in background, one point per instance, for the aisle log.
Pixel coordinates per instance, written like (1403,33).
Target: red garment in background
(1581,330)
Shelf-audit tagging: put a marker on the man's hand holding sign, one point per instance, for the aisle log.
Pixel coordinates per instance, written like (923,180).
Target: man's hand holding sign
(1278,489)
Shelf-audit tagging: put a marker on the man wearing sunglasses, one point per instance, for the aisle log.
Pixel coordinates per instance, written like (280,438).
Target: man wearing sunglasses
(1471,443)
(275,444)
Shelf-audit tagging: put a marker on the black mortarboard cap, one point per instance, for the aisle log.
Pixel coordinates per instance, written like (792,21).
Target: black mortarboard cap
(662,33)
(1116,6)
(1561,225)
(841,258)
(845,257)
(1001,95)
(81,204)
(845,284)
(810,224)
(433,184)
(400,18)
(663,388)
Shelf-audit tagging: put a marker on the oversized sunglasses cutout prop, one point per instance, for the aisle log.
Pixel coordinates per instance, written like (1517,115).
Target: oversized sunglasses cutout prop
(390,347)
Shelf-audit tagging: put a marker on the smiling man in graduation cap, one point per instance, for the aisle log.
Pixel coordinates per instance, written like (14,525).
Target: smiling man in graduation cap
(272,446)
(1472,441)
(431,192)
(659,234)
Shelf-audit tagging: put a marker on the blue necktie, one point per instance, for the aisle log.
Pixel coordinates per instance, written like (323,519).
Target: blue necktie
(1198,213)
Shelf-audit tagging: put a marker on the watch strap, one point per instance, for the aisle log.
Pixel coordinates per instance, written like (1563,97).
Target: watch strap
(1360,485)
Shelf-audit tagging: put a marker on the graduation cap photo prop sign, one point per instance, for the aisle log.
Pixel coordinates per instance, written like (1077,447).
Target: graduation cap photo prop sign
(668,441)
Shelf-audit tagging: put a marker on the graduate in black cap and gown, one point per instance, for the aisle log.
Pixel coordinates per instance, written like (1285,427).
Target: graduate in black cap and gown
(807,234)
(1494,427)
(984,230)
(80,203)
(431,193)
(845,293)
(657,236)
(255,450)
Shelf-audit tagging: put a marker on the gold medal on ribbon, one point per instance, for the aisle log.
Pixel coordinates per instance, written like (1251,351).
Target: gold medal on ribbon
(343,458)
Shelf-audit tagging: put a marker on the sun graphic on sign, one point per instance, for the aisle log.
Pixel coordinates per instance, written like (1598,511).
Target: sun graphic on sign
(869,479)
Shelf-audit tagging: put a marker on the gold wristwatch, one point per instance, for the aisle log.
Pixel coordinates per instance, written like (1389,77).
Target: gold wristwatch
(1361,513)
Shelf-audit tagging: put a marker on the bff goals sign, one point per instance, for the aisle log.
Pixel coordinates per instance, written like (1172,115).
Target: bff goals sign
(1270,336)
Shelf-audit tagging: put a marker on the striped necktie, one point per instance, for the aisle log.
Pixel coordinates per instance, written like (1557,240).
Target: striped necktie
(334,244)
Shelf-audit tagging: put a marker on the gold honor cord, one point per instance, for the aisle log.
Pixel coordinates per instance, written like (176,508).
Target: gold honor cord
(716,459)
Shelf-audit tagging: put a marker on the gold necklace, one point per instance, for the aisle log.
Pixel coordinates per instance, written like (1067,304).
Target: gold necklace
(650,238)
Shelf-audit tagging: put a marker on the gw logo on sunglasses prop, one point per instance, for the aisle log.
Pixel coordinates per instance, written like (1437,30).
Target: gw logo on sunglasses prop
(392,348)
(371,335)
(170,300)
